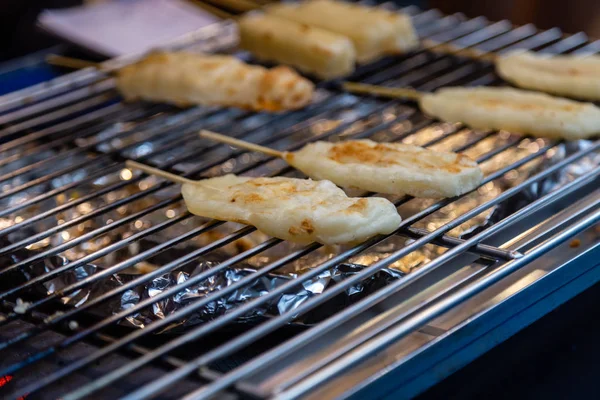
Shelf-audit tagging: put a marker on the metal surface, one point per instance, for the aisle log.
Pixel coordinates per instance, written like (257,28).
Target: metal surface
(68,118)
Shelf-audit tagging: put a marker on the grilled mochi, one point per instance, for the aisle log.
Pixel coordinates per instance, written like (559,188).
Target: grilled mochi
(374,31)
(566,75)
(298,210)
(186,79)
(514,110)
(307,48)
(393,168)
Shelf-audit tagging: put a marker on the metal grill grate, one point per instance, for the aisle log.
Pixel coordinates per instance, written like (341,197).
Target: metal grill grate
(68,120)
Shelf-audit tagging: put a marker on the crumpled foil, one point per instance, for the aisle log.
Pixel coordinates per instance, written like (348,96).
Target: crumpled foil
(139,140)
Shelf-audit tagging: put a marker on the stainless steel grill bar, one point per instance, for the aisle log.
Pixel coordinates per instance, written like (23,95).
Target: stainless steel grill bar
(571,42)
(99,174)
(91,116)
(414,129)
(171,361)
(67,138)
(590,48)
(422,57)
(83,150)
(54,115)
(71,97)
(68,153)
(46,90)
(482,249)
(113,247)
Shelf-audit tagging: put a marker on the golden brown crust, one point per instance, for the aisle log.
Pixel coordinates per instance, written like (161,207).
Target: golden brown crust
(383,155)
(306,227)
(359,206)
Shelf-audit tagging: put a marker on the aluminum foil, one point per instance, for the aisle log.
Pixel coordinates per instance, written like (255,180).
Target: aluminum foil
(217,282)
(142,140)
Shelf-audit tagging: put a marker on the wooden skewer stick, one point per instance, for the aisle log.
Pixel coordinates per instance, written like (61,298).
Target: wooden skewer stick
(213,10)
(217,137)
(159,172)
(447,48)
(70,62)
(403,93)
(237,5)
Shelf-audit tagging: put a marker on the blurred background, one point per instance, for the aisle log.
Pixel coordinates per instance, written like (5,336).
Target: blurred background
(20,36)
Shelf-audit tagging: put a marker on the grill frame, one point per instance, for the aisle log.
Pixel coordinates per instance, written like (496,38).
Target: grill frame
(455,68)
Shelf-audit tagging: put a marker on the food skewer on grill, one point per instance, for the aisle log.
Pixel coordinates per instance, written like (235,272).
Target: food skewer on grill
(498,108)
(310,49)
(566,75)
(393,168)
(374,31)
(573,76)
(297,210)
(186,79)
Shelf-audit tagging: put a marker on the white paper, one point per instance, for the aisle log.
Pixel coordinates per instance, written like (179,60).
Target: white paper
(121,27)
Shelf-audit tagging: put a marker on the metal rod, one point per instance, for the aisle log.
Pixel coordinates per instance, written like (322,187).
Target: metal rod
(90,116)
(480,249)
(53,115)
(70,97)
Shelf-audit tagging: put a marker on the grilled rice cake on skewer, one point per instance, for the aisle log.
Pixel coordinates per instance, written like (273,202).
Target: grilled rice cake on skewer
(393,168)
(566,75)
(374,31)
(569,75)
(515,110)
(309,49)
(298,210)
(184,79)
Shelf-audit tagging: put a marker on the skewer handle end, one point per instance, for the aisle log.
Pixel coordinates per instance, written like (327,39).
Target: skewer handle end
(217,137)
(158,172)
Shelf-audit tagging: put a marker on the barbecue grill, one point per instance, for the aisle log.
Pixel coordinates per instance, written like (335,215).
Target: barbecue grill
(488,264)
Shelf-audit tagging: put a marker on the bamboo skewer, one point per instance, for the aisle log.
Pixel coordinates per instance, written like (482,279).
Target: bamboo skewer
(446,48)
(217,137)
(362,88)
(213,10)
(70,62)
(237,5)
(159,172)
